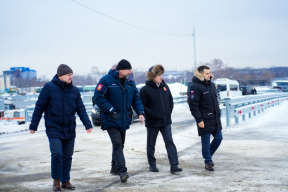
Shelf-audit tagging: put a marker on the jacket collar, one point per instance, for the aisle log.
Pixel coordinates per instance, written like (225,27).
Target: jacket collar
(65,86)
(153,84)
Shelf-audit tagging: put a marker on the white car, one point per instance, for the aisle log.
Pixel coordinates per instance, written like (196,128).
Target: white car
(227,88)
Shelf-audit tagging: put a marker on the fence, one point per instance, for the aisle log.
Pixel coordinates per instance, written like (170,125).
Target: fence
(251,104)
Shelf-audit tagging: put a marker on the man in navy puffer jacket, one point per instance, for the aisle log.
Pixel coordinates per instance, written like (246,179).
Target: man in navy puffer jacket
(115,94)
(60,100)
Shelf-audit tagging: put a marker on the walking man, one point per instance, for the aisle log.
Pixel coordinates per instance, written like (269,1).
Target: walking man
(205,109)
(115,94)
(158,105)
(60,100)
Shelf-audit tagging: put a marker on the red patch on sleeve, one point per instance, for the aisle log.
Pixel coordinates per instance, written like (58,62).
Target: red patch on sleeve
(99,87)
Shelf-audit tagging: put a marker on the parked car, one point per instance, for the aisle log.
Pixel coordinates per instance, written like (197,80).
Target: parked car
(227,88)
(96,115)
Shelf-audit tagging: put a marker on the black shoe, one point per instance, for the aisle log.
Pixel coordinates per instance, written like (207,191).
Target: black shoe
(153,168)
(175,168)
(209,167)
(124,177)
(114,170)
(212,164)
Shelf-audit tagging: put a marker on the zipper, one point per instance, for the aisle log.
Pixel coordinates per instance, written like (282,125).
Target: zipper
(63,115)
(162,105)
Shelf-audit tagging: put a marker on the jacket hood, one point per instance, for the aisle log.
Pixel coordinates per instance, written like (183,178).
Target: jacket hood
(199,76)
(156,70)
(61,84)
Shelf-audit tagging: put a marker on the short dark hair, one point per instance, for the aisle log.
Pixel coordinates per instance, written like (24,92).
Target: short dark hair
(202,67)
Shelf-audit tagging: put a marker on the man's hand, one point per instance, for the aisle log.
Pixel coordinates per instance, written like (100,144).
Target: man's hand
(89,130)
(32,131)
(141,118)
(201,124)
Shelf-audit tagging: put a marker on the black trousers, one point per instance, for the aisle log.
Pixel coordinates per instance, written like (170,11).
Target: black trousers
(166,132)
(118,140)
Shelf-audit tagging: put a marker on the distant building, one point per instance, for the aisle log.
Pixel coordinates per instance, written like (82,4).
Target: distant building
(4,83)
(18,72)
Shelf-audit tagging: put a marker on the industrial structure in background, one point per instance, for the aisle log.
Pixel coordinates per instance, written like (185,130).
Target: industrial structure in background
(9,77)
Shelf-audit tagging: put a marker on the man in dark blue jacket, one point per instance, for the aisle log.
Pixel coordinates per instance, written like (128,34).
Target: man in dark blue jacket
(204,107)
(115,94)
(158,105)
(60,100)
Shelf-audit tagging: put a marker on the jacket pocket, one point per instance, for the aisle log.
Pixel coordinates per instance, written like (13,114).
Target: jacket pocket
(114,116)
(207,115)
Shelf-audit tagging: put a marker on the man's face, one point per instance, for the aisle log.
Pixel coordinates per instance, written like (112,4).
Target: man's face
(206,74)
(124,73)
(158,79)
(67,78)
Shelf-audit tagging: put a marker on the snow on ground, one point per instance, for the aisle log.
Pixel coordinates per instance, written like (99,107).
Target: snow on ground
(252,157)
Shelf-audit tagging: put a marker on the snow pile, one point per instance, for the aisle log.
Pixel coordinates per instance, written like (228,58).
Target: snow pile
(177,88)
(8,127)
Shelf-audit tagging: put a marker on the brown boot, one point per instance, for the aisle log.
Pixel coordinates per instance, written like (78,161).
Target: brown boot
(209,167)
(67,185)
(56,185)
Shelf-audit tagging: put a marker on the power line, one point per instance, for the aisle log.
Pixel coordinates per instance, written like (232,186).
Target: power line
(126,22)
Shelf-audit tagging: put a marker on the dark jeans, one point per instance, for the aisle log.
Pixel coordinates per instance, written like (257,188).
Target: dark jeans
(166,132)
(61,158)
(209,149)
(118,140)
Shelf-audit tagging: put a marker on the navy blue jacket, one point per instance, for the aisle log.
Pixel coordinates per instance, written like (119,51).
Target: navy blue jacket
(60,101)
(111,96)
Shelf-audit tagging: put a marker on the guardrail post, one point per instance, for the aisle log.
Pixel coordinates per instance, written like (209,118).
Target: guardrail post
(26,116)
(236,120)
(227,106)
(250,115)
(259,111)
(254,113)
(244,118)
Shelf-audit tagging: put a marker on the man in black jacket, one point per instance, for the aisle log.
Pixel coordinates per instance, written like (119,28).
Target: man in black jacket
(253,91)
(205,109)
(158,105)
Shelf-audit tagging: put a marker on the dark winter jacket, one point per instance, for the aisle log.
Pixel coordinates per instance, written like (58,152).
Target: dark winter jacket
(111,96)
(60,101)
(158,104)
(204,105)
(253,92)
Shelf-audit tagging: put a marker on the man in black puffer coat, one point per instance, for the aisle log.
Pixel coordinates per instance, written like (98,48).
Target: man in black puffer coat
(158,105)
(205,109)
(60,100)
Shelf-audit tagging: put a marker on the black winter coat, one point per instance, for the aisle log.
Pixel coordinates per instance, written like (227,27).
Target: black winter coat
(204,106)
(158,104)
(253,92)
(60,101)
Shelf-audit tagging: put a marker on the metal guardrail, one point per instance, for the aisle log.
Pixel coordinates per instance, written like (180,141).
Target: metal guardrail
(29,110)
(180,99)
(241,106)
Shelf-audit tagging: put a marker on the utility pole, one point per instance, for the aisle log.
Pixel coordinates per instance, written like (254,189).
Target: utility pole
(195,62)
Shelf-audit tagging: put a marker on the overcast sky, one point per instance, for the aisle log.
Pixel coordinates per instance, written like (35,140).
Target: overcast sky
(41,34)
